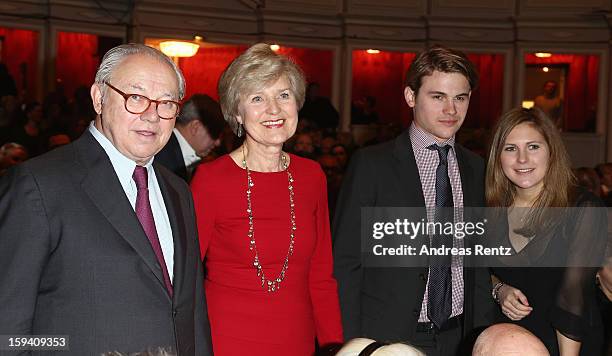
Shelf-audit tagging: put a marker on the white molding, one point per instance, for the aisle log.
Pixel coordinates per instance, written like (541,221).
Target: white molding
(268,15)
(473,8)
(23,9)
(323,7)
(563,35)
(177,23)
(281,28)
(385,33)
(388,8)
(545,8)
(94,29)
(196,11)
(471,34)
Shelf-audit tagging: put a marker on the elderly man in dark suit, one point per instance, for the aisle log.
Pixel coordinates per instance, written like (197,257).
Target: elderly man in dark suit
(98,243)
(197,132)
(433,306)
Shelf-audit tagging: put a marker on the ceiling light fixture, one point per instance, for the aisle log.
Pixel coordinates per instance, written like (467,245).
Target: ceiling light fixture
(179,48)
(543,54)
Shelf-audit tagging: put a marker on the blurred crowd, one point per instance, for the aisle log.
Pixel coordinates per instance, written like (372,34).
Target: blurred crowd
(29,128)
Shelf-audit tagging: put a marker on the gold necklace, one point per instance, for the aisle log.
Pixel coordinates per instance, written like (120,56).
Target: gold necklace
(272,285)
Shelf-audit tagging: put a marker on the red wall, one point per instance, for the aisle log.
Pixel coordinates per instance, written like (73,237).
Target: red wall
(203,70)
(382,76)
(21,46)
(487,100)
(581,83)
(76,61)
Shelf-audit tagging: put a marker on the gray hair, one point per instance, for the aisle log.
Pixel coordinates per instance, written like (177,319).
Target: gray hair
(189,112)
(118,54)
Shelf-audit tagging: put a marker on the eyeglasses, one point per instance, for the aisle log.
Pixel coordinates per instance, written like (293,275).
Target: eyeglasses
(137,104)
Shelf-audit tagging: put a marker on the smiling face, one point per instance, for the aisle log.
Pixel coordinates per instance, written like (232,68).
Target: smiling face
(441,103)
(269,115)
(524,159)
(137,136)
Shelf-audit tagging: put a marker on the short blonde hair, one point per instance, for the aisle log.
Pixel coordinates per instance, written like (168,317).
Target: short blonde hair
(253,70)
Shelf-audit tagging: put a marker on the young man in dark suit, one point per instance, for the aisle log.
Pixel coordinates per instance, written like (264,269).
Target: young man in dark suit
(423,167)
(197,132)
(96,242)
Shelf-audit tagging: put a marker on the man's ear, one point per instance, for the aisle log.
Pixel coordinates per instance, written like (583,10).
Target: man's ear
(194,126)
(410,96)
(96,98)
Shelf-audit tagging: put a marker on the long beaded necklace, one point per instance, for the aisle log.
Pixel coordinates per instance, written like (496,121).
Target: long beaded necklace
(272,285)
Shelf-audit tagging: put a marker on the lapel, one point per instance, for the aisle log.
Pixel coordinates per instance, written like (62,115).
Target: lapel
(176,216)
(102,186)
(412,191)
(470,199)
(181,170)
(467,177)
(408,171)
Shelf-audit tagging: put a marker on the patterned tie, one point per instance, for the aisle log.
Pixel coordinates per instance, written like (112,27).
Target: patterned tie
(439,304)
(145,215)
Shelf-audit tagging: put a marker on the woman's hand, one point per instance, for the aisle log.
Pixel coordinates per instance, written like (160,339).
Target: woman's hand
(513,303)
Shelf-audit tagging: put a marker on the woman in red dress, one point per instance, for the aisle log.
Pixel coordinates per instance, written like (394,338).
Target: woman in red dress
(263,221)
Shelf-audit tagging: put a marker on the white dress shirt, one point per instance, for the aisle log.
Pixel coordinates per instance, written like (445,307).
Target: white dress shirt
(124,168)
(189,154)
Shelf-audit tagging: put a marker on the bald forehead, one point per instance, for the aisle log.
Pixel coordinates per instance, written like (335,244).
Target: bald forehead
(509,340)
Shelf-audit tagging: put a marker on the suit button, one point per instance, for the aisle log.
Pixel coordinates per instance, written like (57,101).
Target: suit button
(416,312)
(174,312)
(423,277)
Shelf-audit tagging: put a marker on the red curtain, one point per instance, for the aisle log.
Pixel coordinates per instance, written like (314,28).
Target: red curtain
(76,60)
(203,70)
(20,48)
(381,75)
(317,65)
(580,103)
(487,100)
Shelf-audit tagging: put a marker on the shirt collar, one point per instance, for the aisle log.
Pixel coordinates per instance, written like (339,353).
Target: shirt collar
(421,140)
(189,154)
(124,167)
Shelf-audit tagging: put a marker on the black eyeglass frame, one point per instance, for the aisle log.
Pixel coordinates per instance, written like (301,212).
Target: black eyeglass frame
(157,102)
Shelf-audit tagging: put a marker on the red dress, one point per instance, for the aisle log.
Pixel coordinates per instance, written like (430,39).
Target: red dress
(244,317)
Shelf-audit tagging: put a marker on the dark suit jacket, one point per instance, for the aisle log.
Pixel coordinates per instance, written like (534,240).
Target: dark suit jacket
(384,303)
(171,157)
(75,261)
